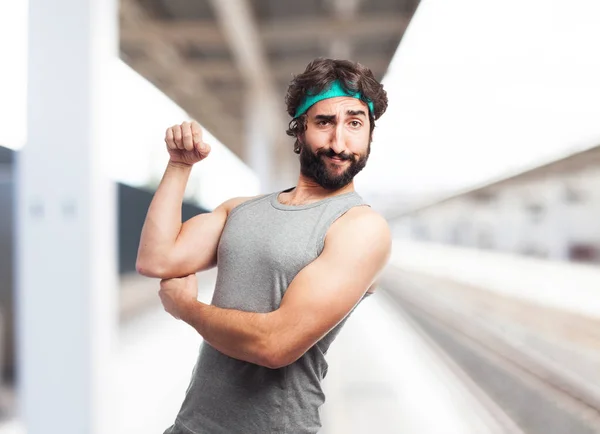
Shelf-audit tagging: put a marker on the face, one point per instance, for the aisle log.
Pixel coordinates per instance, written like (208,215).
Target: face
(336,143)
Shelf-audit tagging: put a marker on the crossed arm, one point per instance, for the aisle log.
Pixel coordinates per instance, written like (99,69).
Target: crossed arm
(356,249)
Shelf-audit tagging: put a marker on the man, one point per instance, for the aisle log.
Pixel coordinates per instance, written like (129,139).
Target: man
(292,265)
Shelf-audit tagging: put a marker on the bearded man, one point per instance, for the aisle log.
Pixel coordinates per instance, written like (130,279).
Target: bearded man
(291,265)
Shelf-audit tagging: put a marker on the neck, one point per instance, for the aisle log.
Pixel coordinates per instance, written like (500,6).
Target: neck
(307,191)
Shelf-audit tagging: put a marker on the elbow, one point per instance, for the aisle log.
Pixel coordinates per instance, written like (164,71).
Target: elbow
(273,361)
(275,357)
(150,269)
(276,345)
(152,262)
(144,269)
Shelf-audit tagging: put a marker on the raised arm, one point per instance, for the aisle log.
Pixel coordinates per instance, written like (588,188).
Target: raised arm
(169,248)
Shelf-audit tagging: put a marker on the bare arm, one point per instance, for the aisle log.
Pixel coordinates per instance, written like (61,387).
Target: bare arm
(169,248)
(318,298)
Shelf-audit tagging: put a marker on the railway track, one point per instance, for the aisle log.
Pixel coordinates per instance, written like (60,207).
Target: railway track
(526,391)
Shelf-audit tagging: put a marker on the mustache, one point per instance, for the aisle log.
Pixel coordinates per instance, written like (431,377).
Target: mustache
(331,154)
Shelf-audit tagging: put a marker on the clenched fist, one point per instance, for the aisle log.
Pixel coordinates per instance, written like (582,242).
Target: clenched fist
(185,145)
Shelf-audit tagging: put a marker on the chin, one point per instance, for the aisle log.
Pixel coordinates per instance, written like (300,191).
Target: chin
(332,186)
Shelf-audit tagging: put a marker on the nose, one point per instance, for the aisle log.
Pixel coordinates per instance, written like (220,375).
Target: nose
(338,143)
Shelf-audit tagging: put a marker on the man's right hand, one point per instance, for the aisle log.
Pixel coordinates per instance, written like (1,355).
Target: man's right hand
(185,145)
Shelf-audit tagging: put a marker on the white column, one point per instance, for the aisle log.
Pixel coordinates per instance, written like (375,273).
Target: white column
(259,137)
(269,151)
(66,237)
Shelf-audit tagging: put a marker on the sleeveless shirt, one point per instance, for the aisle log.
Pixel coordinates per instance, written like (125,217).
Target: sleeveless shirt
(264,244)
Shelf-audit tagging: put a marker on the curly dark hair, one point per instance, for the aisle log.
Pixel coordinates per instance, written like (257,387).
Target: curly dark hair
(319,75)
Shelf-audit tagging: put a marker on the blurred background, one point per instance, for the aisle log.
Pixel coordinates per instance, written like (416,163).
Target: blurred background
(486,166)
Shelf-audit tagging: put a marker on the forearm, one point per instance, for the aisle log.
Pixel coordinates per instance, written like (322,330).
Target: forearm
(163,220)
(242,335)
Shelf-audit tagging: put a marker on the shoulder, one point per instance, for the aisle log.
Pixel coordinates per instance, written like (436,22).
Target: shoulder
(362,218)
(361,226)
(234,202)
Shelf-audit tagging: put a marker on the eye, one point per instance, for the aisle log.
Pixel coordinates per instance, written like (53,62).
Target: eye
(323,123)
(355,124)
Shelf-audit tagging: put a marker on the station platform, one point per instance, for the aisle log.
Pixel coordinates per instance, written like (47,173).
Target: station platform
(524,330)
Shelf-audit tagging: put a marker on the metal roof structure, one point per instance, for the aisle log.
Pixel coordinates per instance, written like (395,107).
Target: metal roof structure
(571,163)
(206,54)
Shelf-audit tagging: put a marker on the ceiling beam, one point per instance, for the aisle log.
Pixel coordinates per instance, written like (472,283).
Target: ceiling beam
(280,33)
(340,46)
(280,71)
(241,30)
(300,32)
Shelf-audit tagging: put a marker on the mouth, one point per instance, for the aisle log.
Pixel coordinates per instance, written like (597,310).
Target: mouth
(337,160)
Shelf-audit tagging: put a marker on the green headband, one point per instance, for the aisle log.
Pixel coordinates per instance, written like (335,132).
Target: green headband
(335,90)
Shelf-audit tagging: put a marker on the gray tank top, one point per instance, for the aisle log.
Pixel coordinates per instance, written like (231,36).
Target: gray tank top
(264,244)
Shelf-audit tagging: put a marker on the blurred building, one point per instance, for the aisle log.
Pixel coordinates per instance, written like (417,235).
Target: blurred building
(551,211)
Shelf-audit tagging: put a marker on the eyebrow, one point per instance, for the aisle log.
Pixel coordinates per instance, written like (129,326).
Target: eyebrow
(331,118)
(356,113)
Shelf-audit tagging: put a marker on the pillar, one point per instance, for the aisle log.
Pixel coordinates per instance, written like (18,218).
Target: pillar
(66,220)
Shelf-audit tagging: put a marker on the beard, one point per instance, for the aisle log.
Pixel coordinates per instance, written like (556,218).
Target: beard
(313,166)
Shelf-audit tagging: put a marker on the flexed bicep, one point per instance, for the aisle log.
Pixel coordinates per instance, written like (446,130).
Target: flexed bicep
(197,244)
